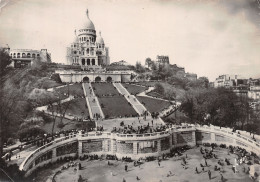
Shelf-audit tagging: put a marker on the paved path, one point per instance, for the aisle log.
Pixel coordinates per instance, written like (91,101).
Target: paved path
(45,108)
(92,101)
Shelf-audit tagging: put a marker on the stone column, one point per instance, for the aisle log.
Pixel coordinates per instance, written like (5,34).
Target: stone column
(175,142)
(80,147)
(135,150)
(194,138)
(54,153)
(170,140)
(105,146)
(113,146)
(159,146)
(213,137)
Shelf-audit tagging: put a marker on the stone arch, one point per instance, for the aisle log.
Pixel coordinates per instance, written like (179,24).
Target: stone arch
(33,55)
(98,79)
(83,61)
(86,79)
(38,55)
(93,61)
(14,55)
(23,55)
(28,55)
(18,55)
(88,61)
(109,79)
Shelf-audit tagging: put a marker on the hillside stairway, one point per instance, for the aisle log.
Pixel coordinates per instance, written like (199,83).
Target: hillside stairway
(92,101)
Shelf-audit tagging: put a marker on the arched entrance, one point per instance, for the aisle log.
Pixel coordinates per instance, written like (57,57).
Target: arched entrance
(97,79)
(86,79)
(109,79)
(83,61)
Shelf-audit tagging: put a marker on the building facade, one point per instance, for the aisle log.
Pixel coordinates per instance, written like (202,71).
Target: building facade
(24,57)
(229,81)
(88,49)
(162,60)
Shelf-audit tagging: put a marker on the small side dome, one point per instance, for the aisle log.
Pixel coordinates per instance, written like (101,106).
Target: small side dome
(99,39)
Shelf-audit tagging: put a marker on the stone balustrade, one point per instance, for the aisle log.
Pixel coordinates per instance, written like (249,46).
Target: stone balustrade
(134,145)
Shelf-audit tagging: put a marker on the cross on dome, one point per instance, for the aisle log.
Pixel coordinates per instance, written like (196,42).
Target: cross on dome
(87,12)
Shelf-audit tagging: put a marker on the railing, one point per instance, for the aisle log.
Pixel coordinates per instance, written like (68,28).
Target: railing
(229,133)
(146,136)
(27,159)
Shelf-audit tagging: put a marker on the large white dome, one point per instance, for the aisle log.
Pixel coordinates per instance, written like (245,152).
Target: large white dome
(88,23)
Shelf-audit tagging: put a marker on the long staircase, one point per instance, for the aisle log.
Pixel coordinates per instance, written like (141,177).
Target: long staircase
(92,101)
(139,108)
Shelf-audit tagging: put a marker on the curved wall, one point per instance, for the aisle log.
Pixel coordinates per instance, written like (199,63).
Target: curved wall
(134,145)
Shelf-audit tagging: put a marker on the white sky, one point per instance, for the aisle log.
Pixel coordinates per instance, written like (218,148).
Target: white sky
(207,37)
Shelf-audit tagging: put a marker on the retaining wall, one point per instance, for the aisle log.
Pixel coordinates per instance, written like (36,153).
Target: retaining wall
(134,145)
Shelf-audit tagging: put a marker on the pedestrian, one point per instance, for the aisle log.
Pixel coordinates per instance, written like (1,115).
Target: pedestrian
(124,180)
(222,178)
(206,164)
(137,178)
(159,163)
(197,170)
(209,173)
(126,168)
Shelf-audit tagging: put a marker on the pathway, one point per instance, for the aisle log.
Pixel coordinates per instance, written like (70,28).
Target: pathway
(92,101)
(45,108)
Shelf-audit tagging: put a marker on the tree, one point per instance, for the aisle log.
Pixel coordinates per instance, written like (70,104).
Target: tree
(139,68)
(159,88)
(5,60)
(31,127)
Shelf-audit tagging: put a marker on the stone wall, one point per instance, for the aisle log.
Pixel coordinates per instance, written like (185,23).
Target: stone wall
(67,149)
(147,147)
(184,137)
(124,147)
(222,138)
(78,77)
(134,146)
(203,136)
(165,144)
(91,146)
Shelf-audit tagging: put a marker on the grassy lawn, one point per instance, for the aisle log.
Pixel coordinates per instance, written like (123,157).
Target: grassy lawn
(134,89)
(104,89)
(76,107)
(48,83)
(112,103)
(153,105)
(116,107)
(75,90)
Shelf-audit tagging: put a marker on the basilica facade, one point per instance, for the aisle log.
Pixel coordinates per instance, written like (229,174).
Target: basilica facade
(88,49)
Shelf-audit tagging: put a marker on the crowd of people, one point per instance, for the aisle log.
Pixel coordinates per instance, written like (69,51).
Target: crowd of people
(130,129)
